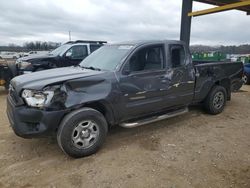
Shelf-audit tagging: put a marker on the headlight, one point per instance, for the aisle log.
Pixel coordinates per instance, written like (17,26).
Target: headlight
(23,64)
(37,99)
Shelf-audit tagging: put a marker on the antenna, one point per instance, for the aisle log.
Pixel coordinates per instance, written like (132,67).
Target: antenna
(69,35)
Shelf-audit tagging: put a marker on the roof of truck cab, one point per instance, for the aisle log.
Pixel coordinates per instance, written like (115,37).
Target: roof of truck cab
(145,42)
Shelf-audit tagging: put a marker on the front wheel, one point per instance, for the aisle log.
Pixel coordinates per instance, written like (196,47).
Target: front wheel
(82,132)
(216,100)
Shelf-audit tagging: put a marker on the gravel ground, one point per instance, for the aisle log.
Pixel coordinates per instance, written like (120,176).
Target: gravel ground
(193,150)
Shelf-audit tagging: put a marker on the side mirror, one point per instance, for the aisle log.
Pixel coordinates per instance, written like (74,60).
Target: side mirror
(126,72)
(126,69)
(68,54)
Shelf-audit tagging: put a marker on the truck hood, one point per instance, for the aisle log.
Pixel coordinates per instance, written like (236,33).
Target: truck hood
(32,58)
(41,79)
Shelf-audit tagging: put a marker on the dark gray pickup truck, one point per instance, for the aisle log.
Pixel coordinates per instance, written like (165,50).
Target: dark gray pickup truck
(127,84)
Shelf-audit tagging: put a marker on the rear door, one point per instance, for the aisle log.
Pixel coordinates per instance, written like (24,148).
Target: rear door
(181,89)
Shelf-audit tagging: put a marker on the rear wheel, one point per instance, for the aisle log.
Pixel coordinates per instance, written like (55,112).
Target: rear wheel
(82,132)
(216,100)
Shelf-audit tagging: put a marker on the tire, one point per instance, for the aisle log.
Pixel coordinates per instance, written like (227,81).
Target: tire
(6,85)
(246,79)
(216,100)
(73,132)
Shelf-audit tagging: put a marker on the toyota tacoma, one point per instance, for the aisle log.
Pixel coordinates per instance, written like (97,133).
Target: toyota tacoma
(127,84)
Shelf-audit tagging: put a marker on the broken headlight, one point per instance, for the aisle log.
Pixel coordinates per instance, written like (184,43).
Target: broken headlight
(52,97)
(37,99)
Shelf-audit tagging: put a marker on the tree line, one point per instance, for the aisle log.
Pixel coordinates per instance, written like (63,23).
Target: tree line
(31,46)
(240,49)
(46,46)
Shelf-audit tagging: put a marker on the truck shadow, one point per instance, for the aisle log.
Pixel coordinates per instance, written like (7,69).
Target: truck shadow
(148,137)
(149,134)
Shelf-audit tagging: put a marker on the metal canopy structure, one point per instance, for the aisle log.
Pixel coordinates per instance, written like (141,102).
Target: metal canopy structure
(221,5)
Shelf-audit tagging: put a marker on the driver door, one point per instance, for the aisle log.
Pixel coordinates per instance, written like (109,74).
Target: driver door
(143,83)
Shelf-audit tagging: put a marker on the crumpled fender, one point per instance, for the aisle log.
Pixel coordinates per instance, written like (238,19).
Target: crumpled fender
(85,90)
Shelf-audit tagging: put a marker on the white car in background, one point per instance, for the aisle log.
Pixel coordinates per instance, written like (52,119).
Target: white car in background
(25,54)
(29,53)
(9,55)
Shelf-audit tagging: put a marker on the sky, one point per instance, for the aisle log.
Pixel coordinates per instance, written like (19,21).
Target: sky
(114,21)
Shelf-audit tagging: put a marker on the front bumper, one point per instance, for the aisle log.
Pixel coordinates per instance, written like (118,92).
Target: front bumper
(30,122)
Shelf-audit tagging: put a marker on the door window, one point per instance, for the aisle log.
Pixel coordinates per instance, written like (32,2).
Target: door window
(94,47)
(177,56)
(77,52)
(146,59)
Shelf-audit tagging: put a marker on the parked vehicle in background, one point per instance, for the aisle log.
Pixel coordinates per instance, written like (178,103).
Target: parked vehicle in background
(246,76)
(5,74)
(9,55)
(25,54)
(69,54)
(245,59)
(127,84)
(29,53)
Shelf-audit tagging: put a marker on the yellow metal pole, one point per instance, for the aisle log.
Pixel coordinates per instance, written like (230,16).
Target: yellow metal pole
(220,8)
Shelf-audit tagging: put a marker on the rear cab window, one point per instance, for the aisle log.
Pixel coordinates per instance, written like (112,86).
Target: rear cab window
(177,55)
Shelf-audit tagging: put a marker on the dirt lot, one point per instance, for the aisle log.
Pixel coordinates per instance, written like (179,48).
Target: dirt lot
(194,150)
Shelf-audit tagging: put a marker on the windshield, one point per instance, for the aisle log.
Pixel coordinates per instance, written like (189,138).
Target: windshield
(106,57)
(59,50)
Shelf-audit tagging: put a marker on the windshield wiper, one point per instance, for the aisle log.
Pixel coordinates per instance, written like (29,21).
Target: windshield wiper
(91,68)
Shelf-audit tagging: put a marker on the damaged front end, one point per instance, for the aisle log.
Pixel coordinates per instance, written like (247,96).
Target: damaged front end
(42,109)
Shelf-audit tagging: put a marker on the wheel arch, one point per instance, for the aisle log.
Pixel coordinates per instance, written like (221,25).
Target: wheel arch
(226,83)
(104,108)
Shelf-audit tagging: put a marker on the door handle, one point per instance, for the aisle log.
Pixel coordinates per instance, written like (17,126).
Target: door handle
(197,74)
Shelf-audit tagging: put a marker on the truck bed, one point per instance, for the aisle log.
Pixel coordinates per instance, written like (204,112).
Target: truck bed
(208,73)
